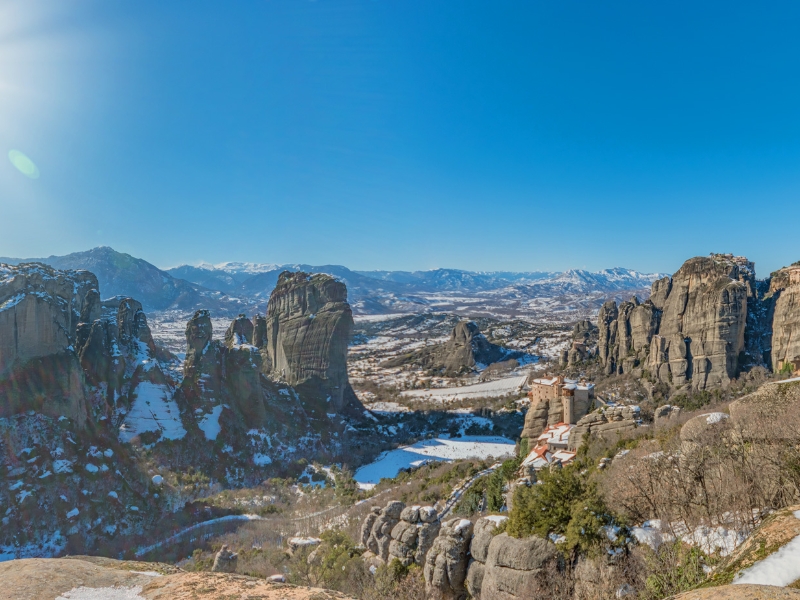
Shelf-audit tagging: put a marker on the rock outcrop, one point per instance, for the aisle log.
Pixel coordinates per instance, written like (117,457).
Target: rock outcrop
(465,351)
(785,292)
(584,335)
(690,331)
(40,310)
(240,332)
(116,344)
(446,563)
(515,568)
(608,423)
(479,551)
(96,577)
(666,414)
(308,327)
(414,535)
(229,373)
(397,531)
(741,592)
(459,559)
(225,561)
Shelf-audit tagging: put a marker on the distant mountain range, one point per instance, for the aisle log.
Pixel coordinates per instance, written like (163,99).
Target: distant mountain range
(233,287)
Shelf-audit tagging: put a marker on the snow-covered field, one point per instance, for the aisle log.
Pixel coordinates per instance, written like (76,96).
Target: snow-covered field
(390,463)
(489,389)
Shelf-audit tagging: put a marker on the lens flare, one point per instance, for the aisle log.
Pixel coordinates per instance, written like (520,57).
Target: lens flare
(23,164)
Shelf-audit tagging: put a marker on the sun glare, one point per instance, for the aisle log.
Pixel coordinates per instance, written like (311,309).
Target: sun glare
(38,78)
(23,164)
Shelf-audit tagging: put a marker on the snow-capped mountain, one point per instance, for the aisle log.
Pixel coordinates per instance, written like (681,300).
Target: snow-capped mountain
(577,281)
(230,288)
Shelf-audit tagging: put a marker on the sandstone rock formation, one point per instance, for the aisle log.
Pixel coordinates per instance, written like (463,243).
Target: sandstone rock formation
(515,568)
(665,414)
(584,334)
(230,373)
(308,327)
(414,535)
(465,351)
(239,332)
(381,531)
(203,365)
(116,344)
(690,330)
(769,540)
(785,292)
(479,551)
(225,561)
(609,423)
(40,309)
(446,563)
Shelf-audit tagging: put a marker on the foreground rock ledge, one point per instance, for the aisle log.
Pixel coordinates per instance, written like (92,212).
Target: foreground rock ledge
(49,578)
(742,592)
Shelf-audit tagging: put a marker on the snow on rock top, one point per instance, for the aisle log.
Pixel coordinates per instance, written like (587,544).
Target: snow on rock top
(103,593)
(496,519)
(463,525)
(716,417)
(779,569)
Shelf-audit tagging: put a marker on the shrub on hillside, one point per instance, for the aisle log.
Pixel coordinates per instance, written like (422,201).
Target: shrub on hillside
(565,503)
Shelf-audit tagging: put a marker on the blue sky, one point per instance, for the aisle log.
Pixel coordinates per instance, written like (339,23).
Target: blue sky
(403,134)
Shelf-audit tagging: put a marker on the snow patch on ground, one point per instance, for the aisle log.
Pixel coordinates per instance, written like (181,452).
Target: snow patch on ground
(262,460)
(103,593)
(210,423)
(492,389)
(390,463)
(153,409)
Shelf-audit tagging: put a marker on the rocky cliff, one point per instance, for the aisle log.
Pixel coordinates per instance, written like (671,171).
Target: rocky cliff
(690,331)
(465,351)
(784,291)
(40,309)
(308,326)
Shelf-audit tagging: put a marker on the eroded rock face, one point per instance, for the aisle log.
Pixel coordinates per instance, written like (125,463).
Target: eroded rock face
(479,550)
(609,423)
(785,289)
(665,414)
(412,537)
(239,332)
(215,372)
(115,344)
(691,330)
(381,533)
(515,568)
(203,365)
(40,309)
(446,562)
(308,327)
